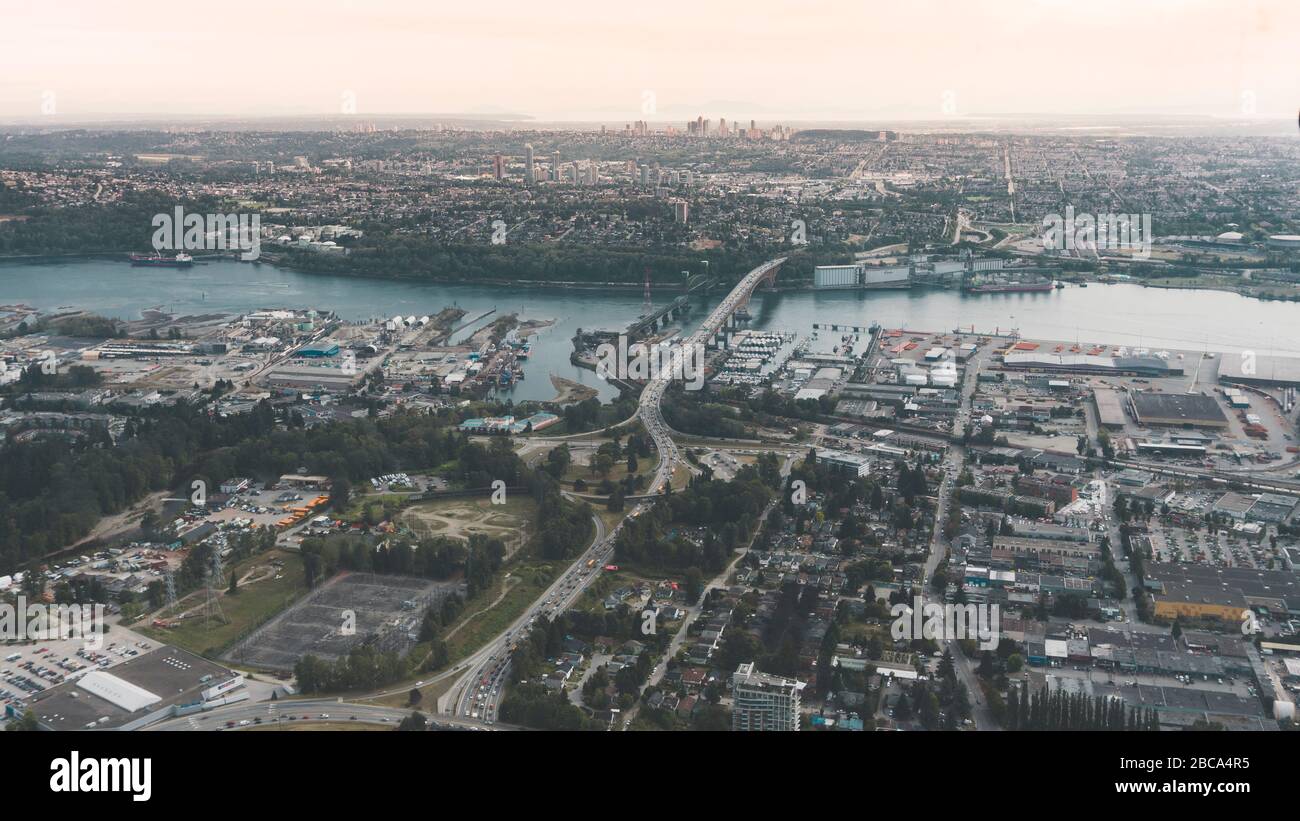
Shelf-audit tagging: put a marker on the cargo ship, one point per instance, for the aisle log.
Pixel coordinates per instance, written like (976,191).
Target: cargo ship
(976,286)
(159,261)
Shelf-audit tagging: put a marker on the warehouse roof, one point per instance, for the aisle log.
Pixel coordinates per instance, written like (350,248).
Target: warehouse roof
(1191,408)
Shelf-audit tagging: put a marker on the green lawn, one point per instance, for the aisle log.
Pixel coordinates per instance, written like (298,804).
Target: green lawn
(251,606)
(533,577)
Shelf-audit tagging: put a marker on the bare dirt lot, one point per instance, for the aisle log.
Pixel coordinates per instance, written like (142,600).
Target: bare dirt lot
(461,518)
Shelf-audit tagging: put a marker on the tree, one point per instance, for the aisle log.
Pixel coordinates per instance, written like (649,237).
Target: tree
(415,696)
(340,493)
(558,460)
(149,523)
(694,584)
(415,722)
(27,723)
(903,712)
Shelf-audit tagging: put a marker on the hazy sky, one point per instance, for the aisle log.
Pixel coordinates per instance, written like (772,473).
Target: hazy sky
(574,59)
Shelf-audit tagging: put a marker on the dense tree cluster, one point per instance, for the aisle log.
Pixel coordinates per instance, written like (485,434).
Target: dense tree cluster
(532,705)
(364,668)
(1059,710)
(704,419)
(728,510)
(52,491)
(124,225)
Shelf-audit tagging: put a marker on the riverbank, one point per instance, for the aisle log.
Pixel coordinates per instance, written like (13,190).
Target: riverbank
(1233,285)
(570,392)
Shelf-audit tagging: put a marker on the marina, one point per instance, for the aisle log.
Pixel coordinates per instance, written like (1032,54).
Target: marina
(1121,313)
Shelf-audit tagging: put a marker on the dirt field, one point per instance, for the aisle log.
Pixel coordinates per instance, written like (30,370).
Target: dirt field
(461,518)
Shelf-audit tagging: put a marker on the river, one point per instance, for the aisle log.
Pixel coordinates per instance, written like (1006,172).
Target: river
(1117,314)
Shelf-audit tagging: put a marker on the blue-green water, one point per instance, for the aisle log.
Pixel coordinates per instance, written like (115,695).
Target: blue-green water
(1116,314)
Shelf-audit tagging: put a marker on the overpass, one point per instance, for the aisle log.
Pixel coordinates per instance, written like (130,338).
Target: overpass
(650,322)
(489,667)
(649,408)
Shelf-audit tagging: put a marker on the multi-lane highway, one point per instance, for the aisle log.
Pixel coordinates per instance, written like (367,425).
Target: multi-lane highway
(292,712)
(476,695)
(652,395)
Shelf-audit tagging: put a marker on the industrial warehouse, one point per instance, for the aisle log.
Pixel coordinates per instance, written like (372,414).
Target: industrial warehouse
(1184,410)
(1252,369)
(1197,592)
(1082,363)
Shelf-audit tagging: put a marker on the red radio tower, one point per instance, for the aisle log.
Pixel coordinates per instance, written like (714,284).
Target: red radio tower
(647,306)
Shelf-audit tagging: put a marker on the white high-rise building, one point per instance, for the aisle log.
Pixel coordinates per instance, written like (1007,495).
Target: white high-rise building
(528,163)
(764,702)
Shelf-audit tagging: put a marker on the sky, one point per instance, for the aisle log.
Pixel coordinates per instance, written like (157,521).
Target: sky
(665,60)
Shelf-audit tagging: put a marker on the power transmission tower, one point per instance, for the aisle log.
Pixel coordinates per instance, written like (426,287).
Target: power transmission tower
(169,585)
(211,602)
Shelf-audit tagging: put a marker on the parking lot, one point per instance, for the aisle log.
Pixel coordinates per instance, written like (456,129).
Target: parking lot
(33,667)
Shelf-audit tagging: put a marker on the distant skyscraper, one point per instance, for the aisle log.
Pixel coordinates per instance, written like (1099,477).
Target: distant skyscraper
(498,166)
(681,211)
(528,164)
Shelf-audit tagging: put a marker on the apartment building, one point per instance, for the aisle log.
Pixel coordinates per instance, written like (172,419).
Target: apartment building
(764,702)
